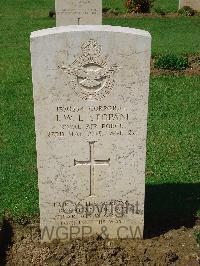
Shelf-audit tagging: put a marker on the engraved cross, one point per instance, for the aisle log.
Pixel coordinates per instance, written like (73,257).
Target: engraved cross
(92,162)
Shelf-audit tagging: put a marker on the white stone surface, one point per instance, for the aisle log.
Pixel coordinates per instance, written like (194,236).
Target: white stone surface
(195,4)
(90,87)
(78,12)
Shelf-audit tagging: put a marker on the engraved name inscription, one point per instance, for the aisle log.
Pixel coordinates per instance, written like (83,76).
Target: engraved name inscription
(91,121)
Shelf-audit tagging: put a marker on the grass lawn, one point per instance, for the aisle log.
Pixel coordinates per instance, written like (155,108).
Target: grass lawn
(173,150)
(173,125)
(167,5)
(168,34)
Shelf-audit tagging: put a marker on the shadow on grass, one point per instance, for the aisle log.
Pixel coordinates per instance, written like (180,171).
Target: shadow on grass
(6,234)
(170,206)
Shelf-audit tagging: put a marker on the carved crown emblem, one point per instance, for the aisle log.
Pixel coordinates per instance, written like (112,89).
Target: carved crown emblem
(92,77)
(91,48)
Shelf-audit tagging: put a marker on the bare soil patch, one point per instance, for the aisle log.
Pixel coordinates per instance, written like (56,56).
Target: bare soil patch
(176,247)
(115,14)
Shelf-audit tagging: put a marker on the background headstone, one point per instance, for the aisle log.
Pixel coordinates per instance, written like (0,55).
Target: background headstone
(79,12)
(91,100)
(195,4)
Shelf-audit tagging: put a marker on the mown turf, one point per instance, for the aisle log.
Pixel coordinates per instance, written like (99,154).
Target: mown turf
(173,125)
(168,34)
(179,35)
(173,130)
(167,5)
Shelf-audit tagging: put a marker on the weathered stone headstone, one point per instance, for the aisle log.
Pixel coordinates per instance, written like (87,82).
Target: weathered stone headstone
(78,12)
(195,4)
(91,100)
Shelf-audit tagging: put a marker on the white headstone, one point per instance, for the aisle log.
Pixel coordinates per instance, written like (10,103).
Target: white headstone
(195,4)
(90,88)
(78,12)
